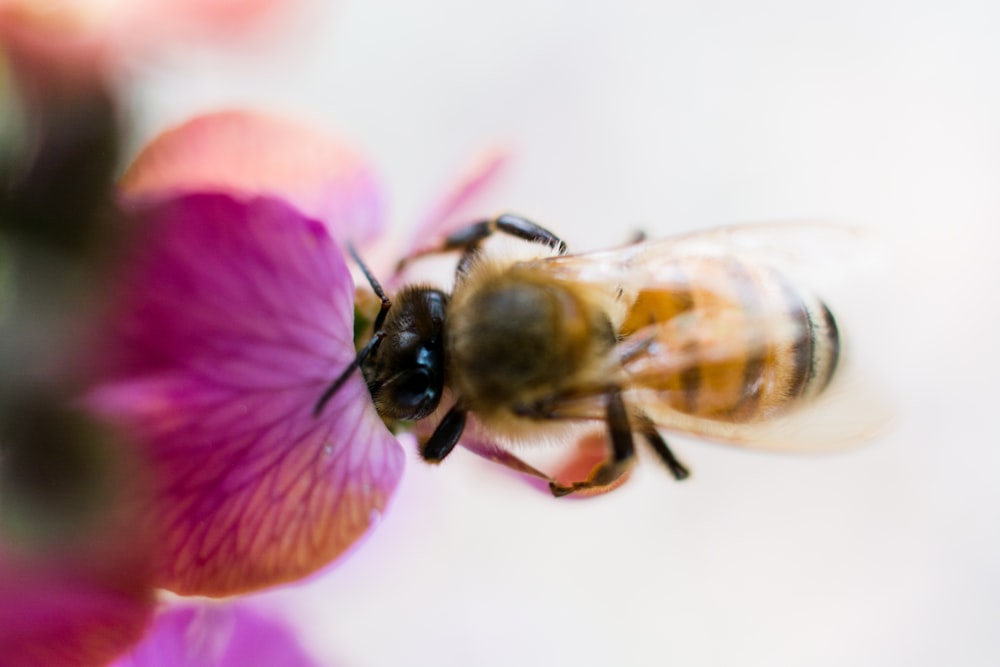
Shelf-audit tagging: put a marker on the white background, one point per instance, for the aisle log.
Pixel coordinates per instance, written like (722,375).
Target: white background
(673,116)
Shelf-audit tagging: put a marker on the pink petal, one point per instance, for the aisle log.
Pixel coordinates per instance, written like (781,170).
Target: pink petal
(233,318)
(249,153)
(216,635)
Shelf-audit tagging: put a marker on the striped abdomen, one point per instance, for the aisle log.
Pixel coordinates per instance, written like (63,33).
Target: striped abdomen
(741,342)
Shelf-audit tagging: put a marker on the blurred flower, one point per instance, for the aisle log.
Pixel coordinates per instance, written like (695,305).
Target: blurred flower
(227,319)
(216,635)
(75,580)
(82,505)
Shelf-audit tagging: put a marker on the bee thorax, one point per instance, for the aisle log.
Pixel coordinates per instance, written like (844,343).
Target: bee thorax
(516,339)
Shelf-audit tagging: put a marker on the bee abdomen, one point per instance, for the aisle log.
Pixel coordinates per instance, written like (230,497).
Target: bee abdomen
(782,348)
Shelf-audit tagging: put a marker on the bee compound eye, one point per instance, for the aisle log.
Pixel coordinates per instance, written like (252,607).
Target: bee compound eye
(415,384)
(416,395)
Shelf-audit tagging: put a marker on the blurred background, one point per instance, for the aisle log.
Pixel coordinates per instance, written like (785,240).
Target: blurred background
(671,117)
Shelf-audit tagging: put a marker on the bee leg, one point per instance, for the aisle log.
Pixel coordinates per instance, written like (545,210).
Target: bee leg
(467,239)
(659,445)
(445,436)
(523,228)
(622,452)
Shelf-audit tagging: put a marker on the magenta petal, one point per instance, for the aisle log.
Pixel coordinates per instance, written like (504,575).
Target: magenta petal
(216,635)
(233,318)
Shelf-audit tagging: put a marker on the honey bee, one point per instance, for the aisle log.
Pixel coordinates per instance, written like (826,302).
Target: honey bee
(700,334)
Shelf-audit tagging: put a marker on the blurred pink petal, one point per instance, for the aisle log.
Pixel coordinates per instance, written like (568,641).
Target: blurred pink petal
(456,207)
(75,575)
(216,635)
(49,54)
(249,154)
(131,24)
(207,17)
(53,617)
(459,206)
(232,319)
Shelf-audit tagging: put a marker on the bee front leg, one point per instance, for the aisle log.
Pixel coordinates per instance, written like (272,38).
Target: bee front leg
(467,239)
(622,457)
(445,436)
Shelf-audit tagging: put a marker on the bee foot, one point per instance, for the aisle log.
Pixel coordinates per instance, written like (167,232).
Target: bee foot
(559,490)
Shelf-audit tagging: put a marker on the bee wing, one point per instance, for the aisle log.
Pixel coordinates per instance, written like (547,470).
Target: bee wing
(845,413)
(822,257)
(813,253)
(698,337)
(848,413)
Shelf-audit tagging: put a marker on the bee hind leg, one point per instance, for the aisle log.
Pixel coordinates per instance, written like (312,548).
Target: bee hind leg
(608,473)
(659,445)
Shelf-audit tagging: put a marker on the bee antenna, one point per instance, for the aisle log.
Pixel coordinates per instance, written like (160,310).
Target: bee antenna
(351,367)
(376,287)
(377,336)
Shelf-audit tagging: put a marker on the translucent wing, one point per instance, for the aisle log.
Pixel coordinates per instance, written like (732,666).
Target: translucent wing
(815,252)
(847,413)
(724,338)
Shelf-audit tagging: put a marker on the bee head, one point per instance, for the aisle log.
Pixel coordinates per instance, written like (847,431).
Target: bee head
(403,363)
(405,371)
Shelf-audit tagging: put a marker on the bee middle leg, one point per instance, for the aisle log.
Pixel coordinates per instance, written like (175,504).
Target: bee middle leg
(622,456)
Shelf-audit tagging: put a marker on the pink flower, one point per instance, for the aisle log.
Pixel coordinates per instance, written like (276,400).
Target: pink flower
(216,635)
(198,508)
(80,592)
(231,318)
(234,311)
